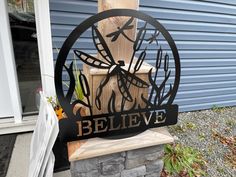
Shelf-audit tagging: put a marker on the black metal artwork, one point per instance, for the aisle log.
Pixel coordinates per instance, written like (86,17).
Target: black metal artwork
(156,109)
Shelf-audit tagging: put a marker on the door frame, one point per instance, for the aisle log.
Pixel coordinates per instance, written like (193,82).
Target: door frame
(44,38)
(43,27)
(9,62)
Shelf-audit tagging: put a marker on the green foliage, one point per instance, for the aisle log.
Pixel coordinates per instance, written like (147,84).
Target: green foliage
(53,101)
(191,126)
(183,161)
(78,90)
(201,136)
(218,109)
(78,93)
(181,128)
(230,122)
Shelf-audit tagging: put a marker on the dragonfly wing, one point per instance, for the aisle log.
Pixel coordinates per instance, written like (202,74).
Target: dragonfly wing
(101,45)
(123,87)
(129,27)
(90,60)
(128,22)
(115,38)
(131,78)
(112,34)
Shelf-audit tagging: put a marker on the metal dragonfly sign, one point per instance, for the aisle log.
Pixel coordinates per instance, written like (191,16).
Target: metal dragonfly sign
(152,107)
(123,77)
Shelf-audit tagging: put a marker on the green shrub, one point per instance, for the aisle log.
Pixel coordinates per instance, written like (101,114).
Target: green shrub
(183,161)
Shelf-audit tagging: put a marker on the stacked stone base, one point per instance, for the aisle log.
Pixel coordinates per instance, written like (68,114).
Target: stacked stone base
(145,162)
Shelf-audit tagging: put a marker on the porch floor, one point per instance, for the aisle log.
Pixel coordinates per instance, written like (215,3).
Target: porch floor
(19,162)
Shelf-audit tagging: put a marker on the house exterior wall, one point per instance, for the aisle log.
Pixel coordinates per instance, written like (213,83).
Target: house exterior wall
(205,35)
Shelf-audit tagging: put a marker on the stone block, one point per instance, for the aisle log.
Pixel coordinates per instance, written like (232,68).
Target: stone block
(153,175)
(142,159)
(143,151)
(84,165)
(132,163)
(154,167)
(91,173)
(155,155)
(112,169)
(110,157)
(134,172)
(114,175)
(119,160)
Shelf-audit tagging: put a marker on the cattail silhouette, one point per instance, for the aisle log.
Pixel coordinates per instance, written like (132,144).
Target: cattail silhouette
(166,68)
(166,63)
(85,89)
(72,82)
(140,61)
(140,37)
(158,65)
(159,58)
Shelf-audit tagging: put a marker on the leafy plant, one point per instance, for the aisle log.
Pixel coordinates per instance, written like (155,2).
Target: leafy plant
(78,93)
(183,161)
(56,106)
(53,101)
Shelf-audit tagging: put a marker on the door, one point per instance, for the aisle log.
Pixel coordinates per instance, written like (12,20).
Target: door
(24,40)
(10,104)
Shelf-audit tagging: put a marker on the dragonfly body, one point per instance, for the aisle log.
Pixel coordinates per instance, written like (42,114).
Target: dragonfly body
(120,30)
(116,67)
(124,78)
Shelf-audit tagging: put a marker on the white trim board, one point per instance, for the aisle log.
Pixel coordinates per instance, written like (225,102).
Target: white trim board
(12,127)
(8,125)
(43,26)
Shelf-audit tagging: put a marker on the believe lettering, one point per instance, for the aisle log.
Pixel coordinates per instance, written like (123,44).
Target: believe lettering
(124,121)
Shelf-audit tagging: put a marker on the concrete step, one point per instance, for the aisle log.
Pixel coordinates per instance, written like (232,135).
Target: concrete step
(19,163)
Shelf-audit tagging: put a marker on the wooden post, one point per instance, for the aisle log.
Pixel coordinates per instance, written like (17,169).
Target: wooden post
(121,49)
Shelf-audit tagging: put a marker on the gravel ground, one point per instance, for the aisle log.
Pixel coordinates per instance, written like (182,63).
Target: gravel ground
(195,129)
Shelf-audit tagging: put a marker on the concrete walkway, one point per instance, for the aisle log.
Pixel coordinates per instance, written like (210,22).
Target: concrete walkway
(19,162)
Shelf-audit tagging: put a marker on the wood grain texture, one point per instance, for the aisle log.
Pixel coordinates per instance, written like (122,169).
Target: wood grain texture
(95,147)
(95,75)
(121,49)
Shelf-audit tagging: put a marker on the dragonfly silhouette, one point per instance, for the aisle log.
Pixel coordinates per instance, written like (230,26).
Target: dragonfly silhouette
(153,37)
(120,30)
(124,77)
